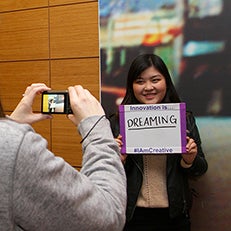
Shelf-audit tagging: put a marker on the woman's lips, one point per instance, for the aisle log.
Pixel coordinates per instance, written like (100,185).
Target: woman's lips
(149,96)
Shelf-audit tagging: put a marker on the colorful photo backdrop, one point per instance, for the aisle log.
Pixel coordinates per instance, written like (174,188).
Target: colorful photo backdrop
(194,39)
(191,36)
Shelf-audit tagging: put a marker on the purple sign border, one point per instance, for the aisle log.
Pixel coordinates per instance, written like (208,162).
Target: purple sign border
(183,126)
(122,127)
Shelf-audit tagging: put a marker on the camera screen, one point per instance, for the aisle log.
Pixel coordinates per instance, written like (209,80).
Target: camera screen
(54,103)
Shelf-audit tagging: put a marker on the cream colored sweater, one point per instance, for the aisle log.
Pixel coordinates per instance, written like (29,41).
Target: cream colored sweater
(153,193)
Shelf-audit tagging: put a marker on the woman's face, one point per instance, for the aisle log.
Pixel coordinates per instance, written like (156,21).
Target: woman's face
(150,87)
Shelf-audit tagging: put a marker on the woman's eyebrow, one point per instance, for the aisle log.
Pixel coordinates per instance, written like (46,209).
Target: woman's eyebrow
(139,77)
(157,75)
(152,76)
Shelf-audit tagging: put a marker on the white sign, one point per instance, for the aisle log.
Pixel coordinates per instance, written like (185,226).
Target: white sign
(153,128)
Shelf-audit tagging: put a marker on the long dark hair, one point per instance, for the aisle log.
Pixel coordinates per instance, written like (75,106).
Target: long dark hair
(2,114)
(141,63)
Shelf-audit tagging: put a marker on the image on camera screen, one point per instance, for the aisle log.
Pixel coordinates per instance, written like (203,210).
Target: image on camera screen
(53,103)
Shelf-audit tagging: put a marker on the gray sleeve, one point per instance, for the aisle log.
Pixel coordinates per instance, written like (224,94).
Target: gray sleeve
(51,195)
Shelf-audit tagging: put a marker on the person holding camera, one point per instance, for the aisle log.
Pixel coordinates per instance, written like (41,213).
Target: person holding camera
(40,191)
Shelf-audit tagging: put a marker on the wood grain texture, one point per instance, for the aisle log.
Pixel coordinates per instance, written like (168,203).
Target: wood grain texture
(54,42)
(61,2)
(24,35)
(44,129)
(16,76)
(72,72)
(11,5)
(74,31)
(66,140)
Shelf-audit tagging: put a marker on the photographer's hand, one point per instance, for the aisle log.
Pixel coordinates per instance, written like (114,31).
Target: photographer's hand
(23,113)
(83,104)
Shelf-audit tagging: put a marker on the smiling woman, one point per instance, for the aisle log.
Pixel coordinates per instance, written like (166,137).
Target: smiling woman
(149,82)
(150,87)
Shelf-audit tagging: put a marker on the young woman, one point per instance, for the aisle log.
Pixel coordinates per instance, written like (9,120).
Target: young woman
(159,197)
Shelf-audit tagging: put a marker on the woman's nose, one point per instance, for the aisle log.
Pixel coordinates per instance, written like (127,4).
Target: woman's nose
(148,86)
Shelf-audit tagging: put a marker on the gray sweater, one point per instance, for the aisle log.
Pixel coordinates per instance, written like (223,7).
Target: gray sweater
(39,191)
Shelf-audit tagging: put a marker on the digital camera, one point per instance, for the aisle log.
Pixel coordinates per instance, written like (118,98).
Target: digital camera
(55,102)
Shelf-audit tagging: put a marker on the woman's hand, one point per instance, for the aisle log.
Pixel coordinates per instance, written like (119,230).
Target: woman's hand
(191,148)
(23,113)
(120,143)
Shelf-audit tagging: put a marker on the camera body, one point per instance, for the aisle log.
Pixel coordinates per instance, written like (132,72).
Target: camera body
(55,102)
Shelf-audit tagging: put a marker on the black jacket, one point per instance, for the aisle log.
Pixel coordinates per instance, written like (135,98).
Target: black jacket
(179,193)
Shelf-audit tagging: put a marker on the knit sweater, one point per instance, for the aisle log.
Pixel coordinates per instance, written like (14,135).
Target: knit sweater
(153,193)
(39,191)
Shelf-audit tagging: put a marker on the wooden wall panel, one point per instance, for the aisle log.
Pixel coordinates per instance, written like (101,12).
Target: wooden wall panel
(10,5)
(60,2)
(66,140)
(44,129)
(71,72)
(74,30)
(16,76)
(54,42)
(24,35)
